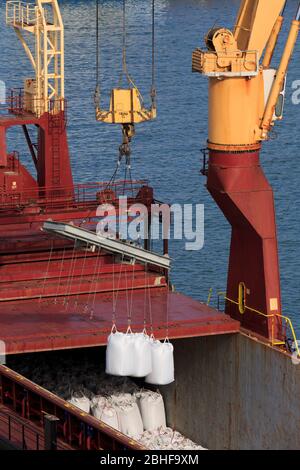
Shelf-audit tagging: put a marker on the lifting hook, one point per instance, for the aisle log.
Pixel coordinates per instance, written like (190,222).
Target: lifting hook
(128,131)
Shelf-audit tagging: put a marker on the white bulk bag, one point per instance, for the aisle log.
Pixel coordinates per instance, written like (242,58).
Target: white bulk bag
(130,419)
(119,354)
(119,398)
(162,363)
(152,410)
(142,355)
(82,402)
(109,416)
(98,403)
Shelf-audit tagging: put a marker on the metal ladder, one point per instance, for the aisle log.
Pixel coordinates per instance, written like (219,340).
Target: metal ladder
(55,127)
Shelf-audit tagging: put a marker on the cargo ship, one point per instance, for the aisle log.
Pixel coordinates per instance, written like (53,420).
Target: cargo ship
(63,289)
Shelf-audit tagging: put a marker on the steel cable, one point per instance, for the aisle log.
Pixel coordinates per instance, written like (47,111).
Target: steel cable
(46,274)
(60,275)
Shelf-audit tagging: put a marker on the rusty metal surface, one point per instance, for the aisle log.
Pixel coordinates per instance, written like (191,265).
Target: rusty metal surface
(233,148)
(234,392)
(31,326)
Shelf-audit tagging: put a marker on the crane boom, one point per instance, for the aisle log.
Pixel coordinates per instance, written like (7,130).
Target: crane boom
(255,22)
(280,77)
(233,64)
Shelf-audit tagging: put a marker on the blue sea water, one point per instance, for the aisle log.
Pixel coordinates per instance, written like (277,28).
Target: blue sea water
(167,151)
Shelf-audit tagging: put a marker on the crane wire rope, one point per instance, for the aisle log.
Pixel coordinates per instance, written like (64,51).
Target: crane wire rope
(116,290)
(132,289)
(127,302)
(168,312)
(145,298)
(149,302)
(60,275)
(124,72)
(93,279)
(82,275)
(71,277)
(46,273)
(153,84)
(99,266)
(97,95)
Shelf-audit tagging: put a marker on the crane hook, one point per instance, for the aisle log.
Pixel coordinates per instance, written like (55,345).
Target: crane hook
(128,132)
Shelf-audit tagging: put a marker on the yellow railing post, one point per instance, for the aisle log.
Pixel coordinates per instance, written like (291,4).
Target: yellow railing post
(273,317)
(209,296)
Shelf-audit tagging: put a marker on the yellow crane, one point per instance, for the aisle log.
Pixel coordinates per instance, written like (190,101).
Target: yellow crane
(246,98)
(41,19)
(233,65)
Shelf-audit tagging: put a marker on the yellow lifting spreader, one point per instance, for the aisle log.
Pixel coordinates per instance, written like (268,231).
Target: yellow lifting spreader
(126,107)
(126,103)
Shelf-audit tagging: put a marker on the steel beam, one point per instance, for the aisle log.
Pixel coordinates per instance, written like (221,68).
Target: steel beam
(111,245)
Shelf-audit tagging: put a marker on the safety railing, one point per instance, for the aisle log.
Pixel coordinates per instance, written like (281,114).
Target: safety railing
(236,63)
(20,13)
(20,103)
(275,317)
(23,14)
(80,195)
(76,429)
(19,433)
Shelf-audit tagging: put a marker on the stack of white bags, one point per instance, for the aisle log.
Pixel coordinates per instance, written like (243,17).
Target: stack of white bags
(131,414)
(139,355)
(139,414)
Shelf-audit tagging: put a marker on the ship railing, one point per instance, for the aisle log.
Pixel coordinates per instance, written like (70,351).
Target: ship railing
(21,104)
(277,320)
(216,64)
(21,14)
(79,195)
(75,428)
(19,433)
(22,434)
(13,161)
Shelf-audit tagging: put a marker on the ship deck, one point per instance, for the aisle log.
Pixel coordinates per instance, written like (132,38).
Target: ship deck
(33,325)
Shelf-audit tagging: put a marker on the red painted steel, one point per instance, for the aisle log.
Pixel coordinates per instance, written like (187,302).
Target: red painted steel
(53,160)
(31,326)
(238,185)
(35,267)
(76,429)
(21,434)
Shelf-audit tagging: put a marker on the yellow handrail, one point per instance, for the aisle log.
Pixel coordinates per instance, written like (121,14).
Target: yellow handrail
(274,315)
(209,296)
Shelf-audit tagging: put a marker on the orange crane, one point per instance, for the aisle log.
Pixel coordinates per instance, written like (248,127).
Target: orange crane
(246,98)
